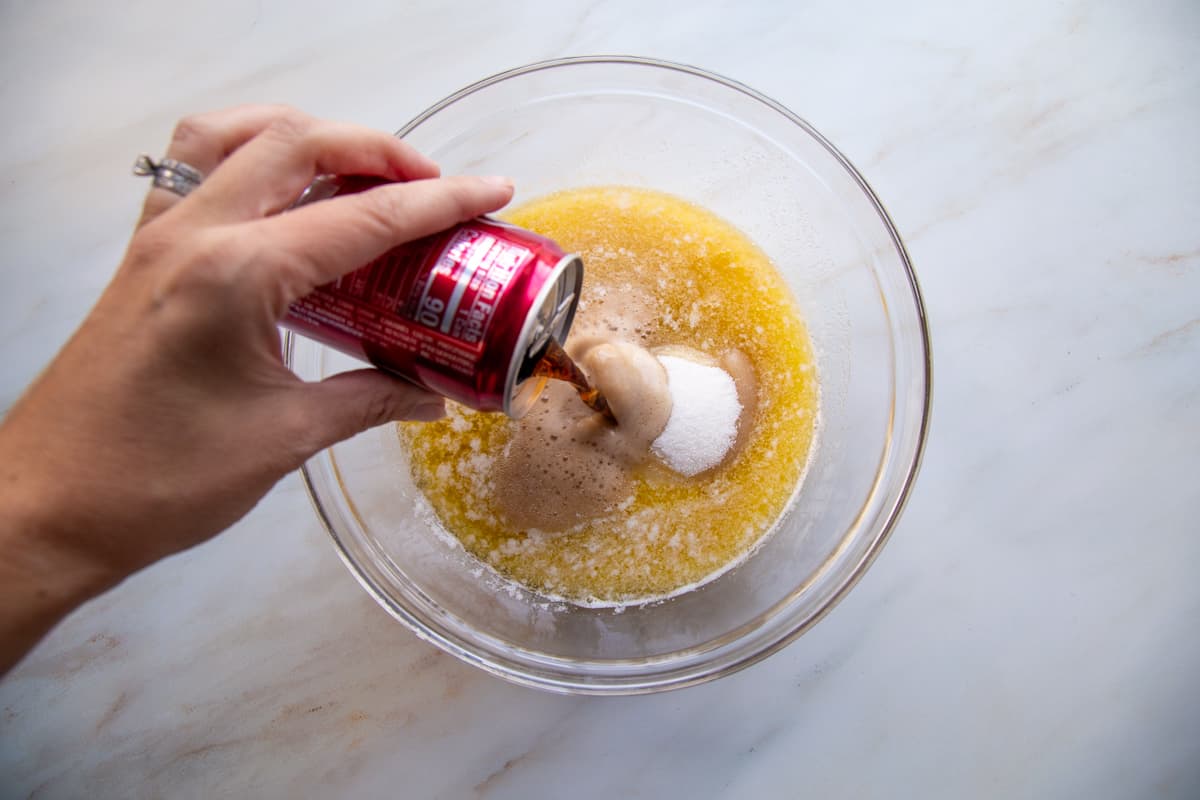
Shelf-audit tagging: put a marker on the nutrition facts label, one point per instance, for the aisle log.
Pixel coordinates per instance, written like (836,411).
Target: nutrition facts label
(459,296)
(431,301)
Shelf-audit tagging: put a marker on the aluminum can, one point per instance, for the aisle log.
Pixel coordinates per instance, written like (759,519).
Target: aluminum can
(466,313)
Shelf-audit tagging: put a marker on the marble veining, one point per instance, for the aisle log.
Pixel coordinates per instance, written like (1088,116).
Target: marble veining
(1028,632)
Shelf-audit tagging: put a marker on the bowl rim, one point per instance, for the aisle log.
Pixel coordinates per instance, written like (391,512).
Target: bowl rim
(621,684)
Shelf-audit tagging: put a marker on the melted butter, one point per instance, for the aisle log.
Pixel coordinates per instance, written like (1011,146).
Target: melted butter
(660,272)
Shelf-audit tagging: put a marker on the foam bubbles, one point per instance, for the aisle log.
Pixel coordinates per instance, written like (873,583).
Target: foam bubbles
(565,464)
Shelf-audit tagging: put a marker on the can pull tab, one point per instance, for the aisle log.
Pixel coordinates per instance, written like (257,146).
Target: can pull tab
(549,322)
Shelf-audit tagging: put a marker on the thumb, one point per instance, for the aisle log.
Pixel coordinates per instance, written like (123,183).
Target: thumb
(351,402)
(328,239)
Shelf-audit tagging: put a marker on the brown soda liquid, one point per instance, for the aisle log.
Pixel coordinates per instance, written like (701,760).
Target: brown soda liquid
(558,365)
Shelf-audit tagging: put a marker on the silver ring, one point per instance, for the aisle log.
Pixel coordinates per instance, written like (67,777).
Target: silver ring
(174,176)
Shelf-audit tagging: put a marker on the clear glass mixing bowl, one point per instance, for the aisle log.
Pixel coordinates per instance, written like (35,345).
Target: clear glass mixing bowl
(617,120)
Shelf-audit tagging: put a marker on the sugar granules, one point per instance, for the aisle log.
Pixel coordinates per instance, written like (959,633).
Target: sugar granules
(704,416)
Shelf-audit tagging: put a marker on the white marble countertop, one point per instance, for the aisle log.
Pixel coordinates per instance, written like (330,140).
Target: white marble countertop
(1030,630)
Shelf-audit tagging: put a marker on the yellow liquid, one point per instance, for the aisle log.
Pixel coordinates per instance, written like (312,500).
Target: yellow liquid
(699,282)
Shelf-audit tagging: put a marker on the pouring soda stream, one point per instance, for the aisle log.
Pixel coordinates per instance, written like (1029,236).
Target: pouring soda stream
(556,364)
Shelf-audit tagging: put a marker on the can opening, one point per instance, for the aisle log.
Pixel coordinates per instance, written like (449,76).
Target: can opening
(551,329)
(555,310)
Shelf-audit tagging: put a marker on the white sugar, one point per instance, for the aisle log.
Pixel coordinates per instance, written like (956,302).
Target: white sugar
(704,416)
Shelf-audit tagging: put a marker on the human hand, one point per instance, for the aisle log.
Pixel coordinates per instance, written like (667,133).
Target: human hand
(170,412)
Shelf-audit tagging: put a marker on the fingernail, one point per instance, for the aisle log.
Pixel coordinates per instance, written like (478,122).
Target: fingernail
(427,411)
(498,180)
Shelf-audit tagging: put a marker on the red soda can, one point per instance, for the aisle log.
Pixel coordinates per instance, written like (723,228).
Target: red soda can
(466,313)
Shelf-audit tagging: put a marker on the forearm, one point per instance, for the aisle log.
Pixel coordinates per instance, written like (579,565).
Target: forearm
(55,529)
(41,580)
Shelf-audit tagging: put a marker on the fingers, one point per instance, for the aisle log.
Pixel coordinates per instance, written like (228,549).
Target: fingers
(351,402)
(205,140)
(316,244)
(270,171)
